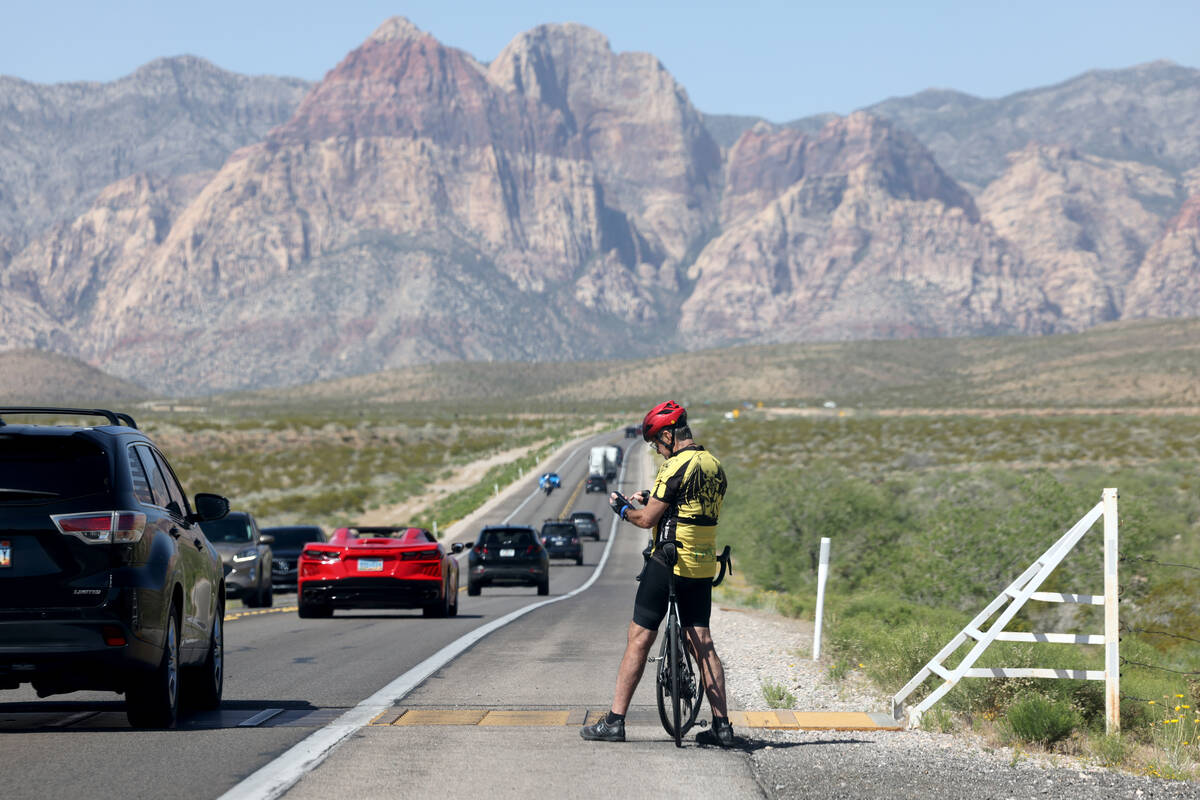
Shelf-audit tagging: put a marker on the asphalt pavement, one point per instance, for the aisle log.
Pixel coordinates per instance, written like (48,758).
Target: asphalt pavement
(285,679)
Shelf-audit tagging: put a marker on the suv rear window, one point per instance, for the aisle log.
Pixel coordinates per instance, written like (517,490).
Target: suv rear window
(518,537)
(42,468)
(558,529)
(295,537)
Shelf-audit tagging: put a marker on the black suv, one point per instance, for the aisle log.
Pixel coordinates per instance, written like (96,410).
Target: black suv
(561,540)
(287,543)
(508,555)
(106,580)
(586,524)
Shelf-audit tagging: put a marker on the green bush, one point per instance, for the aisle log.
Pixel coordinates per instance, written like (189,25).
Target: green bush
(777,695)
(1037,719)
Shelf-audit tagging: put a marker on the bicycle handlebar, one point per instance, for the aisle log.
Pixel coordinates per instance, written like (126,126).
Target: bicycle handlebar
(726,563)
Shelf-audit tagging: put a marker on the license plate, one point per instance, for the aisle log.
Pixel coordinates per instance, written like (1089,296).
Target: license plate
(370,565)
(5,554)
(507,552)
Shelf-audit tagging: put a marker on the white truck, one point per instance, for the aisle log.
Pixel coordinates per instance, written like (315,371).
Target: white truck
(614,460)
(598,462)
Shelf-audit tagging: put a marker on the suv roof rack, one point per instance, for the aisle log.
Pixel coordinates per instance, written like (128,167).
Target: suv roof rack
(113,417)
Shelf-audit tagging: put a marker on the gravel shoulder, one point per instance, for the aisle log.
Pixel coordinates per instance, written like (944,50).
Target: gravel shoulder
(757,647)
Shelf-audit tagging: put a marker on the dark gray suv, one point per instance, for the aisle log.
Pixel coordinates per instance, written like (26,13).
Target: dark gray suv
(107,581)
(246,554)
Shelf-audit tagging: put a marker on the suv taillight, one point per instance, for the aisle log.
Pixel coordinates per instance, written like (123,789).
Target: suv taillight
(100,527)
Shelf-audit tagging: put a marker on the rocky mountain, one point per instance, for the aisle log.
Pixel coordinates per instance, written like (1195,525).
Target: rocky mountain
(853,233)
(1085,223)
(38,377)
(564,201)
(1148,114)
(1167,283)
(61,144)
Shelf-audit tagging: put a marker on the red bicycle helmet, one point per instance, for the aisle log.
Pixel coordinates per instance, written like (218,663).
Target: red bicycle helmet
(661,417)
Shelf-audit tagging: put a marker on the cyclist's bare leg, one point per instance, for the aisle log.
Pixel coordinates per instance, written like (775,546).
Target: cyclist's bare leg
(711,669)
(632,664)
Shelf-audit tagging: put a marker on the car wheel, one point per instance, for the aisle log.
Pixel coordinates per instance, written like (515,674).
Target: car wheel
(544,585)
(266,596)
(473,588)
(154,701)
(313,611)
(250,599)
(206,683)
(579,560)
(439,608)
(454,602)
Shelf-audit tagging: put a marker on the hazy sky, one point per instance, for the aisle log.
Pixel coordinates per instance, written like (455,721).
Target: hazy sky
(772,58)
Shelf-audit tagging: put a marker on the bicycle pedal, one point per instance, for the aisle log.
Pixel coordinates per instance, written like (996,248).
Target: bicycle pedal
(702,723)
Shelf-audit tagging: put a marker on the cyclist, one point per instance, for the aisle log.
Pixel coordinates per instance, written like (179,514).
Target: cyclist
(682,509)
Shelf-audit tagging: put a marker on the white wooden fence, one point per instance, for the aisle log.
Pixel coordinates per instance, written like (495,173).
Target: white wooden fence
(1010,601)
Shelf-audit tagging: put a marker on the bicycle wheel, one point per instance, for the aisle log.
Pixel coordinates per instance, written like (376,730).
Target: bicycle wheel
(690,692)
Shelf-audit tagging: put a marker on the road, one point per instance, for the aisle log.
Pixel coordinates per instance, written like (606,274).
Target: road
(306,673)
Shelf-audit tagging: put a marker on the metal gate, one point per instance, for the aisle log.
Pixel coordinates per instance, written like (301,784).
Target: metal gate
(1010,601)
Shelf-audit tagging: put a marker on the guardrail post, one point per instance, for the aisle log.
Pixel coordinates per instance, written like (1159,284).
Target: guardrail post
(1112,644)
(822,572)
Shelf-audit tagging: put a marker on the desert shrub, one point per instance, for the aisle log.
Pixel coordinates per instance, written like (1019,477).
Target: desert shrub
(777,695)
(1040,720)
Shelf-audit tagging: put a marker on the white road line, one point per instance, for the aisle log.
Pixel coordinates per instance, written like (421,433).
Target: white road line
(275,778)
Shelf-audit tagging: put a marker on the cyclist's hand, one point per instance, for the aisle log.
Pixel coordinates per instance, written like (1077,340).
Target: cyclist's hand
(620,504)
(642,497)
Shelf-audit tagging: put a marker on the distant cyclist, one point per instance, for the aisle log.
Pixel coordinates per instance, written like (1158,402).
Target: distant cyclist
(682,508)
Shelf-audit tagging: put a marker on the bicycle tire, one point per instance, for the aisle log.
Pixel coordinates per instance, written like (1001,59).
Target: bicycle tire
(673,633)
(689,678)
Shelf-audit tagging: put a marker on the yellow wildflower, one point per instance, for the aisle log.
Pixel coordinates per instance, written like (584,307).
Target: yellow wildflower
(1179,695)
(1151,702)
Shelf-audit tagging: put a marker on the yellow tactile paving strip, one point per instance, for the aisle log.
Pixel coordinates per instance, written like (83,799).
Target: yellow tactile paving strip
(775,720)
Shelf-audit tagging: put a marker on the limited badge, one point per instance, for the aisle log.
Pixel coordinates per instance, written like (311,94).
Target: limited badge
(5,554)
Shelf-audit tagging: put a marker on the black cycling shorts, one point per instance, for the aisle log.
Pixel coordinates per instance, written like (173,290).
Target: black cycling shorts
(694,596)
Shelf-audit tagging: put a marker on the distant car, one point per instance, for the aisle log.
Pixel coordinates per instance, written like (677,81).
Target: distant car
(508,555)
(631,431)
(586,524)
(289,540)
(596,483)
(246,556)
(107,582)
(620,454)
(378,567)
(561,540)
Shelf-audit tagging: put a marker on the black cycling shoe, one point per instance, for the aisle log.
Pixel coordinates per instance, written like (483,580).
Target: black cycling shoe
(604,731)
(720,735)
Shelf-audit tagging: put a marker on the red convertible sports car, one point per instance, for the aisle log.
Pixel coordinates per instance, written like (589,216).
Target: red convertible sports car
(378,567)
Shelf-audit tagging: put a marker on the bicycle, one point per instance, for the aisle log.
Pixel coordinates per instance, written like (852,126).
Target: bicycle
(676,678)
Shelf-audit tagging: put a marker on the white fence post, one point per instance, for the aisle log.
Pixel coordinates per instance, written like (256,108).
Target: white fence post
(1112,652)
(435,529)
(822,573)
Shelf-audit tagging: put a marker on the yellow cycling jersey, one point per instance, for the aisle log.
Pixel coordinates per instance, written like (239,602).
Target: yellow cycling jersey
(692,484)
